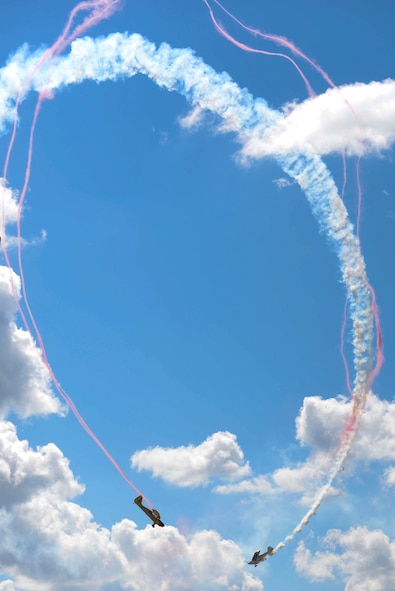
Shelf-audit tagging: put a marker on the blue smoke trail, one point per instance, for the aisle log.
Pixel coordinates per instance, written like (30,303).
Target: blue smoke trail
(179,70)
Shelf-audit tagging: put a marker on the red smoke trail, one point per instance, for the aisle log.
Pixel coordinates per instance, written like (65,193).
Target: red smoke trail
(277,39)
(229,37)
(283,41)
(358,398)
(344,322)
(100,9)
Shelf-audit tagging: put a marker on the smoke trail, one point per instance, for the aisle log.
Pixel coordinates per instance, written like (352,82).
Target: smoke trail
(97,10)
(284,42)
(180,70)
(229,37)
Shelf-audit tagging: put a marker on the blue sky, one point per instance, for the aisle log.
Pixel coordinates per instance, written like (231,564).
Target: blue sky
(191,306)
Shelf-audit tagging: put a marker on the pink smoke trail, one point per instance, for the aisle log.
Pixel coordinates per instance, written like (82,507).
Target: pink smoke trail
(359,399)
(284,42)
(100,9)
(344,322)
(229,37)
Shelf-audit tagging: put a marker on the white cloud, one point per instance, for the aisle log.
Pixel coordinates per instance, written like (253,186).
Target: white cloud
(305,479)
(203,561)
(219,456)
(24,472)
(50,543)
(317,568)
(282,182)
(319,426)
(12,78)
(389,476)
(14,241)
(24,379)
(8,200)
(332,122)
(193,119)
(257,485)
(365,561)
(321,423)
(54,542)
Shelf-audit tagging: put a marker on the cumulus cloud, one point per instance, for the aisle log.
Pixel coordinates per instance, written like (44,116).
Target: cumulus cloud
(321,423)
(56,541)
(9,200)
(24,472)
(12,78)
(203,561)
(317,568)
(319,426)
(219,456)
(257,485)
(365,560)
(51,543)
(24,379)
(332,122)
(305,479)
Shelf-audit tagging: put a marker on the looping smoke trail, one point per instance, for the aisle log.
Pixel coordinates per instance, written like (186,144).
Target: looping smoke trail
(284,42)
(361,391)
(97,11)
(180,70)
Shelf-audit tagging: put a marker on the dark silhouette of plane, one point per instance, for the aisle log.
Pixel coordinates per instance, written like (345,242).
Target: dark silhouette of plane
(258,557)
(154,514)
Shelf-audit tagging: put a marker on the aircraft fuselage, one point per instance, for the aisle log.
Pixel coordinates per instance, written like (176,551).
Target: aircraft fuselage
(154,514)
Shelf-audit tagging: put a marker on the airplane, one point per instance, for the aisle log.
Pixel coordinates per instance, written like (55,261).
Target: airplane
(154,514)
(258,557)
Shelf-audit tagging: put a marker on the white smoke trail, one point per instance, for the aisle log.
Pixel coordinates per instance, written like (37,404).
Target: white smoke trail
(123,55)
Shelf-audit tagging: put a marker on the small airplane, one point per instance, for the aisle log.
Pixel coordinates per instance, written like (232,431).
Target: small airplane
(154,514)
(258,557)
